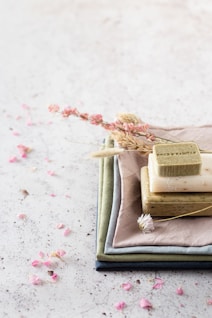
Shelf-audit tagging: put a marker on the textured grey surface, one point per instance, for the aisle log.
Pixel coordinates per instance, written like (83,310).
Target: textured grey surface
(152,58)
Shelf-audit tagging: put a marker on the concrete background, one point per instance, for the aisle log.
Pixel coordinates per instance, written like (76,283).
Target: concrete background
(151,58)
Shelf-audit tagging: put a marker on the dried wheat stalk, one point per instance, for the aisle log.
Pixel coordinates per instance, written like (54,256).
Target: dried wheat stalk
(129,142)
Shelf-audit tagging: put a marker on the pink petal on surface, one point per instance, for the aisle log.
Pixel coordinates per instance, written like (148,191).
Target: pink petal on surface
(67,232)
(16,133)
(51,173)
(209,301)
(36,263)
(52,195)
(21,216)
(179,291)
(13,159)
(60,253)
(41,254)
(126,286)
(120,305)
(60,226)
(24,106)
(145,304)
(54,277)
(47,263)
(158,283)
(35,280)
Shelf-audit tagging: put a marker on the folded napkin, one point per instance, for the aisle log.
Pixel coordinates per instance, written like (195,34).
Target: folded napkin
(151,260)
(189,231)
(109,249)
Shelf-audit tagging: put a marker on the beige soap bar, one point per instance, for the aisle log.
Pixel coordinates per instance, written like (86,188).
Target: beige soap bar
(177,159)
(197,183)
(173,203)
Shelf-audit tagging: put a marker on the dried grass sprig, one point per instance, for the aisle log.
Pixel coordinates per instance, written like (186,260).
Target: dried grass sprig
(129,142)
(128,118)
(108,152)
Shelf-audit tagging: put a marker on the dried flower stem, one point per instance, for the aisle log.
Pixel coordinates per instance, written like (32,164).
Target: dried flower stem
(183,215)
(129,142)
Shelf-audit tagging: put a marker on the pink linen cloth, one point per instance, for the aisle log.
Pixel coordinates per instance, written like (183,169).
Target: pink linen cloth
(189,231)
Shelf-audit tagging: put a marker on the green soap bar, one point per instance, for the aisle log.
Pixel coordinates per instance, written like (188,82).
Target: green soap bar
(172,203)
(177,159)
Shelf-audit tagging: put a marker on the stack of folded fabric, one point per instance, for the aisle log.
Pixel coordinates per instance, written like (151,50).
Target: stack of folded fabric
(182,243)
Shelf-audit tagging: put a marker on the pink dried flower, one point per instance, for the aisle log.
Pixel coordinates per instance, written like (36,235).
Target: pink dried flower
(120,305)
(29,123)
(144,303)
(36,263)
(209,301)
(41,254)
(67,232)
(52,195)
(13,159)
(24,106)
(96,119)
(51,173)
(126,286)
(179,291)
(54,108)
(54,277)
(60,253)
(16,133)
(47,263)
(35,280)
(158,283)
(69,111)
(21,216)
(84,116)
(23,150)
(60,226)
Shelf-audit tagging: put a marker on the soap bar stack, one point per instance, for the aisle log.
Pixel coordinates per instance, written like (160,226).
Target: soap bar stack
(177,180)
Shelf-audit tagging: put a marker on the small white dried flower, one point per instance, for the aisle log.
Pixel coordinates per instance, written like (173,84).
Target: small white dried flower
(145,223)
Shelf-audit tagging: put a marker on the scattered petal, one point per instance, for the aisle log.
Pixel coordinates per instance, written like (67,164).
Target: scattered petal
(16,133)
(126,286)
(23,149)
(24,106)
(209,301)
(47,159)
(158,283)
(47,263)
(179,291)
(52,195)
(60,226)
(61,253)
(35,280)
(55,254)
(13,159)
(36,263)
(145,304)
(51,173)
(41,254)
(120,305)
(67,232)
(21,216)
(29,123)
(54,277)
(54,108)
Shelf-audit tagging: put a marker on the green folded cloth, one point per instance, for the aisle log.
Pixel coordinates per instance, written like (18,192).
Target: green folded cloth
(105,198)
